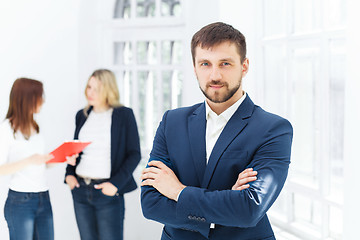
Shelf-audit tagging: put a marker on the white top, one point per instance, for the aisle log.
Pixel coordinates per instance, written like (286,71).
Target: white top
(96,158)
(15,148)
(216,123)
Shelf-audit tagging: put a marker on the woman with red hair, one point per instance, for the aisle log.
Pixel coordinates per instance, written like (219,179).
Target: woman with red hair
(27,209)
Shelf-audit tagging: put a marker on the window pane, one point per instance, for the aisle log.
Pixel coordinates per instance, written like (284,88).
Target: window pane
(279,207)
(336,117)
(145,8)
(142,76)
(157,106)
(124,79)
(172,89)
(275,79)
(178,86)
(274,17)
(307,211)
(122,53)
(306,15)
(122,9)
(335,13)
(128,83)
(166,89)
(172,52)
(304,69)
(145,84)
(170,8)
(336,222)
(146,52)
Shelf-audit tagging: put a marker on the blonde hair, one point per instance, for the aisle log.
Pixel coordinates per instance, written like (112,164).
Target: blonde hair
(108,89)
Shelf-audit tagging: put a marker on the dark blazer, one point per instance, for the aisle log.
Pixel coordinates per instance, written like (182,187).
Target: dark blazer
(125,148)
(252,138)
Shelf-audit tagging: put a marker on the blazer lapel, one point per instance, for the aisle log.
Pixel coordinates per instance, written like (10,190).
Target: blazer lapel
(196,131)
(231,130)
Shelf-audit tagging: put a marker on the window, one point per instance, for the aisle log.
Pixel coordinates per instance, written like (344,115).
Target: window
(303,49)
(125,9)
(147,57)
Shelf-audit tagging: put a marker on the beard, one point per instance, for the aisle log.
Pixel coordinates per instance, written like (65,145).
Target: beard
(217,97)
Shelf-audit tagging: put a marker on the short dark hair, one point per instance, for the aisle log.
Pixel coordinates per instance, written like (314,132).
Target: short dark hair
(216,33)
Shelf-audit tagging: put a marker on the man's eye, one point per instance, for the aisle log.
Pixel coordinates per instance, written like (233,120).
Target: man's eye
(204,64)
(226,64)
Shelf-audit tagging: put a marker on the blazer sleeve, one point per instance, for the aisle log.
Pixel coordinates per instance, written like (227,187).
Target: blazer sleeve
(70,170)
(247,207)
(156,206)
(198,207)
(132,153)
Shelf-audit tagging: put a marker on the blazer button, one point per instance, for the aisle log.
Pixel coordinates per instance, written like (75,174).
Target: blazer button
(203,219)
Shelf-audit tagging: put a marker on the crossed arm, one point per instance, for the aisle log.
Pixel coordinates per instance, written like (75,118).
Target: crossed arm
(164,180)
(161,188)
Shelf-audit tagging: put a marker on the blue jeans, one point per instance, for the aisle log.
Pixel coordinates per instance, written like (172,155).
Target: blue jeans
(99,217)
(29,216)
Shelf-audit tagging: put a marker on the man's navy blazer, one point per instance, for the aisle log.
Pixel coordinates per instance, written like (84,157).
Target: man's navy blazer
(252,138)
(125,147)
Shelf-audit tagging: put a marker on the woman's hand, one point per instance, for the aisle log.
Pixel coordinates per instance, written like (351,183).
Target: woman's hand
(107,188)
(38,159)
(246,176)
(71,160)
(72,181)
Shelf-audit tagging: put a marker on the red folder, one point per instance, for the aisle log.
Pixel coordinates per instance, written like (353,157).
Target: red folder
(67,149)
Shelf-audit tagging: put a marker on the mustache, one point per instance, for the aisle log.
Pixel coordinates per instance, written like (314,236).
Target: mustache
(214,82)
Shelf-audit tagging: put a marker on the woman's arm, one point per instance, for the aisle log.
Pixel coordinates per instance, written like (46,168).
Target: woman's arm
(36,159)
(6,137)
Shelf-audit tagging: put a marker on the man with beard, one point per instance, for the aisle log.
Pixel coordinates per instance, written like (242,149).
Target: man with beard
(204,156)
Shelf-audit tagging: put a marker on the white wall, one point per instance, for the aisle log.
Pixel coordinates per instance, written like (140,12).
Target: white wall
(352,127)
(39,39)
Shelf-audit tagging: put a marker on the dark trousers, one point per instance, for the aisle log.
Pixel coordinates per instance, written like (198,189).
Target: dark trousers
(99,217)
(29,216)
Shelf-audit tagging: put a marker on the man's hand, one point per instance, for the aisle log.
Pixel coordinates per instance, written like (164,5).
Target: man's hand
(246,176)
(159,176)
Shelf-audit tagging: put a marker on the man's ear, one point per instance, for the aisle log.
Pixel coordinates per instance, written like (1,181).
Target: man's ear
(245,67)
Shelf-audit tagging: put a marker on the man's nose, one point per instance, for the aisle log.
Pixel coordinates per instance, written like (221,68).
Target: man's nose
(215,74)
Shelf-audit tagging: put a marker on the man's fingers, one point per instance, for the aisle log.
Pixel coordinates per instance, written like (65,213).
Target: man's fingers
(246,180)
(157,164)
(148,175)
(243,187)
(148,182)
(247,173)
(151,169)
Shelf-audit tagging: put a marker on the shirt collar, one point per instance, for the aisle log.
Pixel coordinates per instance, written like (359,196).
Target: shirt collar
(227,114)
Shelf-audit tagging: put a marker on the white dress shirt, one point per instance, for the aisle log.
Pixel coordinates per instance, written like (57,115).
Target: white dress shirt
(216,123)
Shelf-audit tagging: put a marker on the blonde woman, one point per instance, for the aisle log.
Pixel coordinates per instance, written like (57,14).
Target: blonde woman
(103,172)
